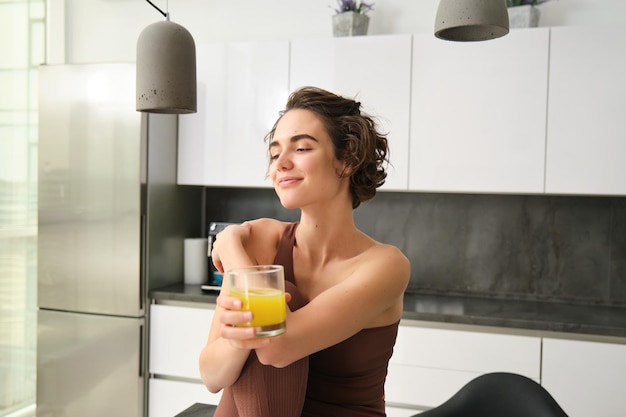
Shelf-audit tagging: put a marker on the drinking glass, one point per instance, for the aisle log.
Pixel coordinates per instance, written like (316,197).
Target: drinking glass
(261,289)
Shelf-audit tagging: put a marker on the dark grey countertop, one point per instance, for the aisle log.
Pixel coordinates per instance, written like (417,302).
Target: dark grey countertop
(502,313)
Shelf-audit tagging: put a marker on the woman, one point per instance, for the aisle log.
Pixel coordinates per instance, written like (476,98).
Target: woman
(326,158)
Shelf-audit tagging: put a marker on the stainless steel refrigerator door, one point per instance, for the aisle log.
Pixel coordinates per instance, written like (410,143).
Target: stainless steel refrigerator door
(89,252)
(89,365)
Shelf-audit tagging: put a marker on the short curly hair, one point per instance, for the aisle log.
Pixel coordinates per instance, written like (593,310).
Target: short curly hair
(354,134)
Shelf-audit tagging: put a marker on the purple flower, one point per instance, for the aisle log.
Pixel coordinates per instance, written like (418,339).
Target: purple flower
(344,6)
(513,3)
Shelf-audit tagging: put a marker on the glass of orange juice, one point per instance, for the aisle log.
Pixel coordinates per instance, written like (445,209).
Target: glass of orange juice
(261,289)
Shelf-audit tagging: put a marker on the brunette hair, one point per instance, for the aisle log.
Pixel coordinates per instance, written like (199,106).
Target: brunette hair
(355,137)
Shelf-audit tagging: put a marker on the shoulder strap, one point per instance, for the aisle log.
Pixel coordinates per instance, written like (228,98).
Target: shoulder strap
(284,251)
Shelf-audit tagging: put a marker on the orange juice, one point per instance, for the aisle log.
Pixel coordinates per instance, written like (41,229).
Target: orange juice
(267,306)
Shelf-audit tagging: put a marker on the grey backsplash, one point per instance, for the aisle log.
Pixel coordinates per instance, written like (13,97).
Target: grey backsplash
(553,248)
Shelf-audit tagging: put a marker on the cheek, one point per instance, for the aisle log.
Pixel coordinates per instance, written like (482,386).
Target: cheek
(271,171)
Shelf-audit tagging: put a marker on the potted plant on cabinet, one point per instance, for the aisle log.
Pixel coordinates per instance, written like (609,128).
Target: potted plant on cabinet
(351,18)
(523,13)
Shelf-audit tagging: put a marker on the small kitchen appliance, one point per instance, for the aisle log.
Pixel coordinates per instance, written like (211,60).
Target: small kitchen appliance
(215,276)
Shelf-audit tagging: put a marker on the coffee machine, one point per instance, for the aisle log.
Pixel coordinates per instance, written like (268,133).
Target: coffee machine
(215,277)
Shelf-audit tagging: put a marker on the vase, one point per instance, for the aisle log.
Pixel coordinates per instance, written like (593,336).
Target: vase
(526,16)
(350,24)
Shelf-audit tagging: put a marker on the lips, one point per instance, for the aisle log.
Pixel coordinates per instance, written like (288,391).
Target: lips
(287,181)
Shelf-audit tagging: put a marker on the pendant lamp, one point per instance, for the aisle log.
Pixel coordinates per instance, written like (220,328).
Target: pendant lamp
(471,20)
(166,68)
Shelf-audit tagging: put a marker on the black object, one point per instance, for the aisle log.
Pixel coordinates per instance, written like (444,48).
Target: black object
(499,394)
(214,229)
(198,410)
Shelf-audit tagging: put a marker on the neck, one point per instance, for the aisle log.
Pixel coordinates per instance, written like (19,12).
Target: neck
(326,234)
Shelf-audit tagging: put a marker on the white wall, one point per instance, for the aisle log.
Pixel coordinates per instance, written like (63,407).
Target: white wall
(107,30)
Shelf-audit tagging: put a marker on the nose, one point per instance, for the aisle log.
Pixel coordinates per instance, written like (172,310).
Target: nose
(283,161)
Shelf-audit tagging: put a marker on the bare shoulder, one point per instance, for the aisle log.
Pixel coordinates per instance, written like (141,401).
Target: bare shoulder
(390,260)
(384,253)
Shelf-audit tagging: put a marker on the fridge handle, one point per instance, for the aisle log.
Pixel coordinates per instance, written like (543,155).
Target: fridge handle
(141,352)
(143,279)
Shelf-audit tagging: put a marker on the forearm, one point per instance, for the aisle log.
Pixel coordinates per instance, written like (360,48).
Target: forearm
(229,346)
(221,364)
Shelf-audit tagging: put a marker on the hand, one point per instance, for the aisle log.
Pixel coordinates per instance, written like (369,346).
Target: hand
(231,316)
(233,233)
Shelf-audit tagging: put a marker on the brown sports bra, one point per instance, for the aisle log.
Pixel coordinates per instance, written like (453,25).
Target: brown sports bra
(346,379)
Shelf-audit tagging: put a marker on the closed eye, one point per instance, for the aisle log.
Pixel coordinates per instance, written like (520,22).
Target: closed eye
(299,149)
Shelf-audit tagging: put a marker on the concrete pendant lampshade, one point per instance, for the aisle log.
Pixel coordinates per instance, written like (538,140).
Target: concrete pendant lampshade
(471,20)
(166,69)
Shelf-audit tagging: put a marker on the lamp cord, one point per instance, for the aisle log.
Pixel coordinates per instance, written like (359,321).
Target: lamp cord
(160,11)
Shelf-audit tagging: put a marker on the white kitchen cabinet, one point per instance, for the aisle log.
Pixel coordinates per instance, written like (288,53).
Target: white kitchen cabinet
(375,70)
(242,86)
(168,398)
(430,365)
(478,114)
(586,146)
(400,412)
(177,335)
(586,378)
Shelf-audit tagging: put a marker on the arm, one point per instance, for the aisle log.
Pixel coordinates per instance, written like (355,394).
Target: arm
(221,360)
(370,296)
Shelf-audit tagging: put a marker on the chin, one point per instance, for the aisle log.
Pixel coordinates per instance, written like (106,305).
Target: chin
(288,204)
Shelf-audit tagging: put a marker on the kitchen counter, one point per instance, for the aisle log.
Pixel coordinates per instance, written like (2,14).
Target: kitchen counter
(503,313)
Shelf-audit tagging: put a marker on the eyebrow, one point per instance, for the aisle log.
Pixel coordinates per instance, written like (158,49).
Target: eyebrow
(293,139)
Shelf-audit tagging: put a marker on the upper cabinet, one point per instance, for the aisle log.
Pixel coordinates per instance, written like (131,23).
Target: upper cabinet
(478,114)
(536,111)
(241,89)
(586,149)
(375,70)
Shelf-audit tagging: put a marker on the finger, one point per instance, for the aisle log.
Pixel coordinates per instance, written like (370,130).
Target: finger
(238,334)
(228,303)
(235,318)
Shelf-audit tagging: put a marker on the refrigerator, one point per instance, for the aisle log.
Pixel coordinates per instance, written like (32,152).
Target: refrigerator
(112,222)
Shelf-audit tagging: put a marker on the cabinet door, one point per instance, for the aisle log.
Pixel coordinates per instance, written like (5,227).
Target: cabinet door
(241,89)
(401,412)
(374,70)
(429,365)
(177,335)
(585,378)
(169,398)
(586,146)
(478,113)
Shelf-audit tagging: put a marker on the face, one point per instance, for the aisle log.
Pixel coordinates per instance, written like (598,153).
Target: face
(303,166)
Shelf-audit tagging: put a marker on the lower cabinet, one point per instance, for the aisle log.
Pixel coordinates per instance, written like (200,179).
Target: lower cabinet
(400,412)
(586,378)
(177,335)
(168,398)
(429,365)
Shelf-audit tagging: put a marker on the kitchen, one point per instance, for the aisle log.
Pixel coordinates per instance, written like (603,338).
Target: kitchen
(84,23)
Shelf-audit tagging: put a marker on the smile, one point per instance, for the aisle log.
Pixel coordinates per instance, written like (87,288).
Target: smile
(287,181)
